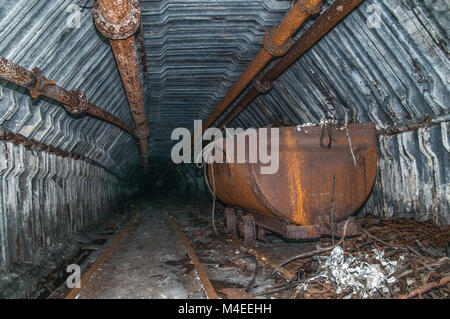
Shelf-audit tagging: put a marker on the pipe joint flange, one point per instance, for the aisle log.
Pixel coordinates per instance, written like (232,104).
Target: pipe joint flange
(142,133)
(122,30)
(79,104)
(309,10)
(40,85)
(261,86)
(270,47)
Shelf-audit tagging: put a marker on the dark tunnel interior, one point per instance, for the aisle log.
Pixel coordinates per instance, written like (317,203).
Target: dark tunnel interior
(198,149)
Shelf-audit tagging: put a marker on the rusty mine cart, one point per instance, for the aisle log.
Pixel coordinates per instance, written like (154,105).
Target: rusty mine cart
(325,174)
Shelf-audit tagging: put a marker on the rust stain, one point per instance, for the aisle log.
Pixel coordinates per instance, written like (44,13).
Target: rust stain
(297,197)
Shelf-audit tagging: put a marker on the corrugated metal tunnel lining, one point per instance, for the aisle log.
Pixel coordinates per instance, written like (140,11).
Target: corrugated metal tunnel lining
(62,172)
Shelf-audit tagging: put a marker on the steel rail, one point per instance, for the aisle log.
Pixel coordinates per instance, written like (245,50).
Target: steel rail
(201,272)
(75,292)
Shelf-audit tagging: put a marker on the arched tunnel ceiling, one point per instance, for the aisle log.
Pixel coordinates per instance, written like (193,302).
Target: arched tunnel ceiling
(195,50)
(391,74)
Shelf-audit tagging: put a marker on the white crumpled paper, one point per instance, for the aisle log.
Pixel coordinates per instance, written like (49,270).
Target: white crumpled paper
(346,271)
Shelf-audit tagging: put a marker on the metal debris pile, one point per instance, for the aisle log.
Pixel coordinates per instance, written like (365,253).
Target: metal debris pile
(394,258)
(355,274)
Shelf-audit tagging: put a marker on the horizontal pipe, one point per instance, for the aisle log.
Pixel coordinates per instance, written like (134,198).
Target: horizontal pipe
(18,139)
(75,102)
(425,123)
(329,19)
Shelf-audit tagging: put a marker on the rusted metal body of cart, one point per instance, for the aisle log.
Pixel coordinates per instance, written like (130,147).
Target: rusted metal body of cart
(325,174)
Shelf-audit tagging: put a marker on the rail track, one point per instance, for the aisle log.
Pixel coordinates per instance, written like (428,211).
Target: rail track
(225,269)
(114,241)
(210,265)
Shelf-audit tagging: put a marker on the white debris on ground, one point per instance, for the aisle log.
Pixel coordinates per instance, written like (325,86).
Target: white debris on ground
(346,271)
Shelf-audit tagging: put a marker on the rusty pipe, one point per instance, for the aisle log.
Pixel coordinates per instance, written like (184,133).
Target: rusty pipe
(329,19)
(119,21)
(75,102)
(277,41)
(101,113)
(18,139)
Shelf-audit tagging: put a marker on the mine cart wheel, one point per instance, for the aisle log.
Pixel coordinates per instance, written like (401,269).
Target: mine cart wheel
(261,234)
(230,220)
(249,231)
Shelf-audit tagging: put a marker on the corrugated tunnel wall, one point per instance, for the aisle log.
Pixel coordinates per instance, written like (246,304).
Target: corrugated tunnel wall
(387,62)
(46,196)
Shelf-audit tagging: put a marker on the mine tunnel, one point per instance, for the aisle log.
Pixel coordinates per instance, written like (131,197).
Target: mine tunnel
(195,149)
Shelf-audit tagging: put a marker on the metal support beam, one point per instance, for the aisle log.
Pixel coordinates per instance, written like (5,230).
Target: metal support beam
(330,18)
(119,21)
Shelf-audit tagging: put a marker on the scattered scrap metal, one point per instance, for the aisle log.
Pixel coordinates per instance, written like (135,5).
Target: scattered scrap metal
(410,261)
